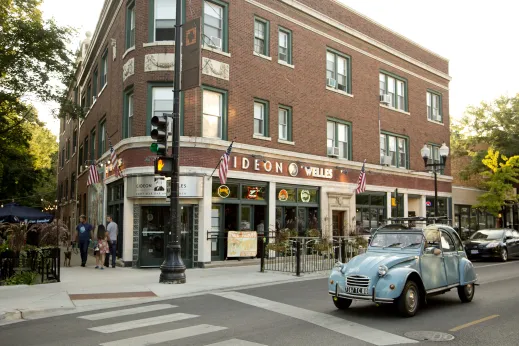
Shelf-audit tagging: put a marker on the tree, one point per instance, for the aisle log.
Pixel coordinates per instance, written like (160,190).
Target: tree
(501,173)
(494,124)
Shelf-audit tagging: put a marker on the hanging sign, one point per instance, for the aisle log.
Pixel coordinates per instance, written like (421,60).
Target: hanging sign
(242,244)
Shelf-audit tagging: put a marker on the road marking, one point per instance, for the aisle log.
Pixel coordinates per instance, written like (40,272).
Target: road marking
(339,325)
(492,265)
(145,322)
(170,335)
(236,342)
(470,324)
(126,312)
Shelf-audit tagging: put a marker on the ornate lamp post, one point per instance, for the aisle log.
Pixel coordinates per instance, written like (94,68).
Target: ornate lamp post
(436,167)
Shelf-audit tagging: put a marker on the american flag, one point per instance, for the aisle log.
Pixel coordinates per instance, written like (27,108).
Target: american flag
(93,176)
(113,158)
(224,164)
(361,185)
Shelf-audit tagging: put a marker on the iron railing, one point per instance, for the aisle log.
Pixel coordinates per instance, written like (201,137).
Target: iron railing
(45,262)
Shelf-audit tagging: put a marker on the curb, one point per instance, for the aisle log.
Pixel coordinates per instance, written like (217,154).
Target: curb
(10,315)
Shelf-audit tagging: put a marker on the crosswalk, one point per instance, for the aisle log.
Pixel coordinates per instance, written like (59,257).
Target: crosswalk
(140,323)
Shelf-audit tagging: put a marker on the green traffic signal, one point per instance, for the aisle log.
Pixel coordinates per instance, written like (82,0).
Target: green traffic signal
(154,148)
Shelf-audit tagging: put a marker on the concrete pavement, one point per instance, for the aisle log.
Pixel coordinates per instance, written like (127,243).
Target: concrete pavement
(296,313)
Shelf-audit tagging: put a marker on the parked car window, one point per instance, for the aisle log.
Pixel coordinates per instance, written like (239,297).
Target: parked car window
(457,242)
(487,234)
(508,234)
(447,243)
(515,234)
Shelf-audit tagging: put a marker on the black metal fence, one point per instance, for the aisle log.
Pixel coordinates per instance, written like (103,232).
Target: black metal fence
(45,262)
(306,254)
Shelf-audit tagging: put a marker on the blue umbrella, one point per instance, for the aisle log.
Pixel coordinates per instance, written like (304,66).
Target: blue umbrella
(14,212)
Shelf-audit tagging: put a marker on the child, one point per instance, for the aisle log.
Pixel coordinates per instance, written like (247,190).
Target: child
(101,246)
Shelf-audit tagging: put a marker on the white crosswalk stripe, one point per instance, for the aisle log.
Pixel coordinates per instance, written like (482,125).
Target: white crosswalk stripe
(145,322)
(126,312)
(236,342)
(170,335)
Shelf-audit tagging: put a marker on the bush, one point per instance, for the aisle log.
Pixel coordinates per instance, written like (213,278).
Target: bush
(22,278)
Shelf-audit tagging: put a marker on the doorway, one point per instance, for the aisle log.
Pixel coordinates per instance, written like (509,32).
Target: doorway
(338,223)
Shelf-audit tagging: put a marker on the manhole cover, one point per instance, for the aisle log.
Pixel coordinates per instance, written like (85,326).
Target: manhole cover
(429,336)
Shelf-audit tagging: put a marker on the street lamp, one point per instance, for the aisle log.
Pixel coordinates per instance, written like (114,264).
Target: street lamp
(436,167)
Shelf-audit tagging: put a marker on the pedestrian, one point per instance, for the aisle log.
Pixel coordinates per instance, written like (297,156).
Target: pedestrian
(83,236)
(101,246)
(113,231)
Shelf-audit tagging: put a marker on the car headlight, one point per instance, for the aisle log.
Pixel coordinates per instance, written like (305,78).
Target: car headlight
(491,245)
(382,270)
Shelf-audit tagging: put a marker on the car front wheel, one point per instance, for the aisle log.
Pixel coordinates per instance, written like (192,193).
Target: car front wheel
(466,293)
(341,303)
(408,301)
(504,255)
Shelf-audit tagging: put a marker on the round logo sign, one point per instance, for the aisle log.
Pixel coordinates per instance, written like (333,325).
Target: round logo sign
(293,169)
(428,203)
(305,196)
(224,191)
(283,195)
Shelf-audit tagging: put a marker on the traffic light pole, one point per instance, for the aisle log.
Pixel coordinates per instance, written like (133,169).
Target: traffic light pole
(173,268)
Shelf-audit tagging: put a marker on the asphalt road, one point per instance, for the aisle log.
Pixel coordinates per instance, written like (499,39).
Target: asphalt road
(300,314)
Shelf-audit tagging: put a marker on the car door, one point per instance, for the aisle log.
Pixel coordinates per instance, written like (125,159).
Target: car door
(432,265)
(451,258)
(515,240)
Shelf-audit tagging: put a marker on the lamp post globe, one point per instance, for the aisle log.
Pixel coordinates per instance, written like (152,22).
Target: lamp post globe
(444,152)
(426,153)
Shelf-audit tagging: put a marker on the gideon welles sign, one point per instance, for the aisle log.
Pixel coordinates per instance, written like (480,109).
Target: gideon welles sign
(157,187)
(282,168)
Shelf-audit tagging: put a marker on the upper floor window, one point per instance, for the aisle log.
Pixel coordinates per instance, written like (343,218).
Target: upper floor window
(74,141)
(216,24)
(393,150)
(93,145)
(73,186)
(285,46)
(68,149)
(163,103)
(338,139)
(214,113)
(128,114)
(434,111)
(102,138)
(130,25)
(80,158)
(285,123)
(261,118)
(338,71)
(434,150)
(104,69)
(89,95)
(396,90)
(261,36)
(165,12)
(86,147)
(95,81)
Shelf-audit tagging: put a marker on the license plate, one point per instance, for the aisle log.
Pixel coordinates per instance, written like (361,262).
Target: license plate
(474,251)
(357,290)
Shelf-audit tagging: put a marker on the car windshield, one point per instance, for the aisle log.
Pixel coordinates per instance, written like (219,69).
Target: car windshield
(487,235)
(400,240)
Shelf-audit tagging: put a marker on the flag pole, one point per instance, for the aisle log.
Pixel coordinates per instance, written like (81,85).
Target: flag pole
(219,162)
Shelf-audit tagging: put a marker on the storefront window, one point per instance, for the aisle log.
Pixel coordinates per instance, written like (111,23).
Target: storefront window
(297,209)
(253,193)
(371,211)
(442,207)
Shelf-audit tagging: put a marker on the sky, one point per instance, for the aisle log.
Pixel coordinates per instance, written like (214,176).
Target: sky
(477,36)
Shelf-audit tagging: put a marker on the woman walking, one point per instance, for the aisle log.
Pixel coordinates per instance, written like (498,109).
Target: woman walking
(102,245)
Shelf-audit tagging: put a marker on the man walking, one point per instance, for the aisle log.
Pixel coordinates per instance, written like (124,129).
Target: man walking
(84,235)
(112,230)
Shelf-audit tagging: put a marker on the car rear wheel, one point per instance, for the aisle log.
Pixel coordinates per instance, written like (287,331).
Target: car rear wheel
(504,255)
(341,303)
(409,300)
(466,293)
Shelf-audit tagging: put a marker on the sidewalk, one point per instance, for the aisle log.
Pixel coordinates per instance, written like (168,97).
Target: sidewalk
(83,289)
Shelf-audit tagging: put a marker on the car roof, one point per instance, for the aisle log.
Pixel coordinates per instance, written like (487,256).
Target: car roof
(398,227)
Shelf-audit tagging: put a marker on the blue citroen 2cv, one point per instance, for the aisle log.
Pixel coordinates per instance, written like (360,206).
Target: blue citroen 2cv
(404,266)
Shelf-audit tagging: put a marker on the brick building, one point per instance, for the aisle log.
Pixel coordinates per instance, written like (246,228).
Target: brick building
(308,89)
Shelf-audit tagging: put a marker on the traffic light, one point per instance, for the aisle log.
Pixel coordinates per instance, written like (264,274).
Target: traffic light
(164,165)
(160,134)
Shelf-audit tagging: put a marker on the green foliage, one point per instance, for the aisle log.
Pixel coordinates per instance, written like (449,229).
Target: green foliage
(22,278)
(499,178)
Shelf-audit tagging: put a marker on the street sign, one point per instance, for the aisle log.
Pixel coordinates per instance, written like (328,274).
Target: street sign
(191,55)
(164,165)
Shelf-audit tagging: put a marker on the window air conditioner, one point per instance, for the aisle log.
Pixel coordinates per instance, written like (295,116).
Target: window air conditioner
(386,99)
(215,42)
(331,82)
(386,160)
(333,151)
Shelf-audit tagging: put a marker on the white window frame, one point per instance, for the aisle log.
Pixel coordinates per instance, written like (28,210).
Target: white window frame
(212,12)
(129,127)
(171,11)
(206,114)
(260,118)
(343,145)
(431,114)
(283,115)
(163,90)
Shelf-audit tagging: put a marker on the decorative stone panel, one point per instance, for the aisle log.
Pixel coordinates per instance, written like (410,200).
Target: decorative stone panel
(128,68)
(215,68)
(159,62)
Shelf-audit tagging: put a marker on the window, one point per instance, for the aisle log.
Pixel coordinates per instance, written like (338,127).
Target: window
(338,71)
(214,113)
(85,156)
(261,36)
(215,24)
(93,144)
(434,107)
(102,138)
(104,69)
(89,95)
(447,243)
(338,136)
(162,102)
(74,141)
(63,157)
(396,88)
(285,123)
(68,149)
(128,114)
(80,158)
(73,186)
(434,150)
(285,46)
(165,11)
(130,25)
(261,118)
(95,82)
(395,147)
